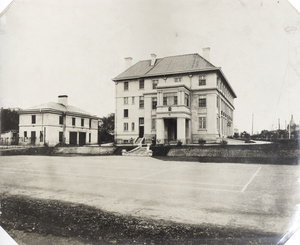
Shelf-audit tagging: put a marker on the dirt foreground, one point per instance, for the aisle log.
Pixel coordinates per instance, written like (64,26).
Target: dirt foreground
(57,222)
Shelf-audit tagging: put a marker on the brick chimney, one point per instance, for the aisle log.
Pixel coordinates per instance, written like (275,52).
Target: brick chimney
(128,62)
(63,99)
(153,59)
(206,53)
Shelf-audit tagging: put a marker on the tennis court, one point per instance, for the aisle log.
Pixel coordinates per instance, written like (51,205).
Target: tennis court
(254,196)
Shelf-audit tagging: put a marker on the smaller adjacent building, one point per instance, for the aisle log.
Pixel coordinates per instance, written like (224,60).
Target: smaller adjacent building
(9,137)
(53,123)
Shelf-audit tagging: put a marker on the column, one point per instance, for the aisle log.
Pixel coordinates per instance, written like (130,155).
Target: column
(160,128)
(181,129)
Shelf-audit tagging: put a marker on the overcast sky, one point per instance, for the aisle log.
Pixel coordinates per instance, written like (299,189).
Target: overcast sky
(76,47)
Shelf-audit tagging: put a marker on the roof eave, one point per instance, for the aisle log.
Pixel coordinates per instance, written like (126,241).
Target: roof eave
(59,112)
(165,74)
(223,75)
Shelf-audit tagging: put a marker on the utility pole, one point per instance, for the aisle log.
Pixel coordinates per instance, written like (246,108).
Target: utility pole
(279,123)
(252,122)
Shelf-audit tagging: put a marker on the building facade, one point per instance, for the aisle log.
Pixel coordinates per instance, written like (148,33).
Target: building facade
(180,98)
(53,123)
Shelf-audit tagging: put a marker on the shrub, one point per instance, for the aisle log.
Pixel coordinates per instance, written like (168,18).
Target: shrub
(223,142)
(179,143)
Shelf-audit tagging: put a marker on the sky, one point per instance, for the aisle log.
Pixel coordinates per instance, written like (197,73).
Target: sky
(76,47)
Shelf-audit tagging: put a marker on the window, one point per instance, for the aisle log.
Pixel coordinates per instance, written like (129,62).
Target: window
(218,102)
(154,84)
(154,103)
(186,100)
(125,126)
(165,100)
(141,121)
(132,126)
(202,80)
(25,134)
(141,102)
(82,122)
(132,100)
(125,112)
(202,101)
(33,119)
(153,124)
(73,121)
(170,99)
(60,136)
(61,120)
(90,123)
(177,79)
(90,137)
(126,86)
(202,122)
(41,136)
(142,84)
(125,100)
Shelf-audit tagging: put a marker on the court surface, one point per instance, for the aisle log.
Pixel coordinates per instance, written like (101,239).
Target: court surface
(254,196)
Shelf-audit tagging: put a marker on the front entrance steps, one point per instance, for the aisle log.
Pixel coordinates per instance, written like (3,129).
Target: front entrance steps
(139,141)
(139,151)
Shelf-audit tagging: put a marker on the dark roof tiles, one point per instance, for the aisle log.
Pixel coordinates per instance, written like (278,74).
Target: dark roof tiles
(167,65)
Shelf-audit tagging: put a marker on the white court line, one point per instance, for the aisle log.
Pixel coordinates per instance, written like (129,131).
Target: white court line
(191,182)
(245,187)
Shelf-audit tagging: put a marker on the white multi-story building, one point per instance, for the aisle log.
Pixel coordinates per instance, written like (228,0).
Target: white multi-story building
(174,98)
(54,123)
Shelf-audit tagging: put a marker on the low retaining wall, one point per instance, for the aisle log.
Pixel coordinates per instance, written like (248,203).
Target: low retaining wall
(52,151)
(95,150)
(269,153)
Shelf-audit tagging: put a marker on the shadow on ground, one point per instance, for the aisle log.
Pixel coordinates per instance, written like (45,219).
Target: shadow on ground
(94,226)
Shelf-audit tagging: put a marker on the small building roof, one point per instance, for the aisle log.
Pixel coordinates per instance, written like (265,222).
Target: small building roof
(55,107)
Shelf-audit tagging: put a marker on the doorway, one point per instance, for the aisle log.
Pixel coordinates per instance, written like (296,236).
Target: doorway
(33,136)
(171,127)
(73,138)
(141,127)
(82,138)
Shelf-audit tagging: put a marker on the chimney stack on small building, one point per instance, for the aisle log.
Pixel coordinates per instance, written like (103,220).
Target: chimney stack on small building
(128,62)
(153,59)
(63,99)
(206,53)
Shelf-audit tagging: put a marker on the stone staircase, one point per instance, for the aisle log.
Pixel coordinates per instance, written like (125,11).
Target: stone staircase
(138,151)
(139,141)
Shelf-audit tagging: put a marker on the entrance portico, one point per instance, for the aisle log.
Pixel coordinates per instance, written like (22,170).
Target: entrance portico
(171,130)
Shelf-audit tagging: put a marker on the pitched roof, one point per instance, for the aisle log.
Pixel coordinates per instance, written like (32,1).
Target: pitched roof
(167,65)
(178,64)
(57,107)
